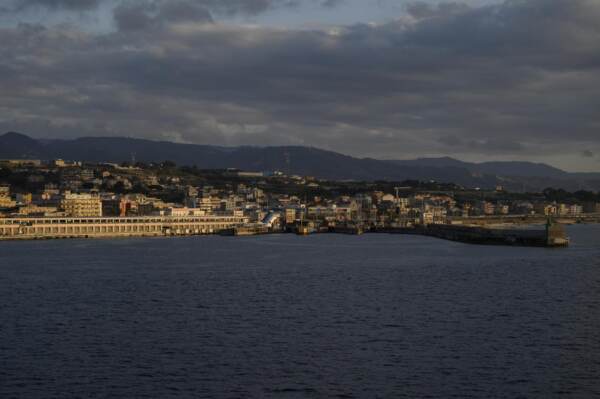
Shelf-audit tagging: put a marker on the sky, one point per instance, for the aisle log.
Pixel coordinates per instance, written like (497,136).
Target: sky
(476,80)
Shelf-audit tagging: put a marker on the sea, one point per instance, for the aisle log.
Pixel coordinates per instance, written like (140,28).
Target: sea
(284,316)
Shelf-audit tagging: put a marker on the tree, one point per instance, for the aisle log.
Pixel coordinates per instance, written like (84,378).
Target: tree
(119,188)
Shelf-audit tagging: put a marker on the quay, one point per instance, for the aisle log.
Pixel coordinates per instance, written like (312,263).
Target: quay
(352,229)
(252,229)
(104,227)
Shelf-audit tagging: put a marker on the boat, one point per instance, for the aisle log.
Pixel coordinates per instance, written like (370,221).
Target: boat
(304,229)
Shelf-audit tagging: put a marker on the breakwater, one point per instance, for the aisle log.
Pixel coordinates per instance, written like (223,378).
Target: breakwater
(49,228)
(552,235)
(523,219)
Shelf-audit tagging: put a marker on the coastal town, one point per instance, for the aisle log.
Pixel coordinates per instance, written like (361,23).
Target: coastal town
(58,199)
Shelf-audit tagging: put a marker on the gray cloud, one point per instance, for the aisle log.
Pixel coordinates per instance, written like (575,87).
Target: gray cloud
(77,5)
(146,15)
(520,79)
(231,7)
(423,10)
(587,154)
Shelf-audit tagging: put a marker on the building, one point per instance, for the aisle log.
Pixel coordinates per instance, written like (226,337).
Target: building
(250,174)
(180,212)
(4,191)
(35,210)
(70,173)
(24,199)
(290,215)
(81,205)
(426,218)
(320,211)
(575,210)
(440,214)
(502,209)
(60,163)
(388,198)
(7,202)
(21,162)
(591,207)
(5,199)
(488,208)
(209,203)
(111,207)
(145,209)
(562,210)
(64,227)
(345,211)
(523,208)
(545,209)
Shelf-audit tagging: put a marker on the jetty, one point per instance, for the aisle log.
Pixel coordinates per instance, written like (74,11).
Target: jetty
(551,235)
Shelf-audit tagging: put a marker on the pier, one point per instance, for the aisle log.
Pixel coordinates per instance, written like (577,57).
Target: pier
(252,229)
(552,235)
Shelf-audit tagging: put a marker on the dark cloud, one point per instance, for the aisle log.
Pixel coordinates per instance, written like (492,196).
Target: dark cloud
(499,145)
(248,7)
(146,15)
(57,4)
(331,3)
(423,10)
(520,79)
(587,154)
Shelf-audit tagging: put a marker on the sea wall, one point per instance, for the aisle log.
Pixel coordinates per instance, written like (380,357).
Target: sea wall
(550,236)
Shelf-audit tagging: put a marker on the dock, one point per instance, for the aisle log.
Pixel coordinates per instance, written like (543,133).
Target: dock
(352,229)
(252,229)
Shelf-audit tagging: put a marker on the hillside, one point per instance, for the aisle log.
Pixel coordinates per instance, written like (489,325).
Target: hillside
(299,160)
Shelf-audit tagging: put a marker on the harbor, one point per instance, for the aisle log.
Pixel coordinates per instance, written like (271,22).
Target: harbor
(551,235)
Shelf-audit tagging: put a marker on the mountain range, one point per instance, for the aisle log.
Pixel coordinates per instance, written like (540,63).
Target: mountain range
(516,176)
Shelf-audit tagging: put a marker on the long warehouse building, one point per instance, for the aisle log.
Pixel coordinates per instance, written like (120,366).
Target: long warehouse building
(39,228)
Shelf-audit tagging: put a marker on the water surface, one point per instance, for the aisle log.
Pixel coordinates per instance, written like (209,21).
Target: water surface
(283,316)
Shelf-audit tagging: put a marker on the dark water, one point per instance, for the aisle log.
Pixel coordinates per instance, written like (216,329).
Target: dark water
(293,317)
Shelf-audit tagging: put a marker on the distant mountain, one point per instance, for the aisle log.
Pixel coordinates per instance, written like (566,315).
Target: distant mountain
(524,169)
(443,162)
(521,169)
(19,146)
(299,160)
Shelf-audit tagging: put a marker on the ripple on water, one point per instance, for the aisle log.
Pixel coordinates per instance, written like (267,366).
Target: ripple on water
(296,317)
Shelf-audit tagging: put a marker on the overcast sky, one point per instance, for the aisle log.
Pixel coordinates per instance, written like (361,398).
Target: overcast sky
(477,80)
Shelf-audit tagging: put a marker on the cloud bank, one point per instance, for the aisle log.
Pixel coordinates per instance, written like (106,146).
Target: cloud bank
(520,79)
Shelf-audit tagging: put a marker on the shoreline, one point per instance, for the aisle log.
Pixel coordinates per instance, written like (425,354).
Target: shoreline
(549,237)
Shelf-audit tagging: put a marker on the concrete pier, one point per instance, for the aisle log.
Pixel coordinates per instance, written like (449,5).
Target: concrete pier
(552,235)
